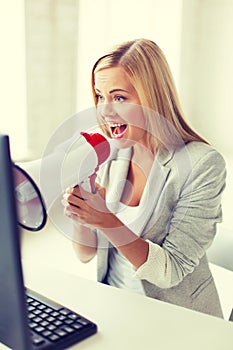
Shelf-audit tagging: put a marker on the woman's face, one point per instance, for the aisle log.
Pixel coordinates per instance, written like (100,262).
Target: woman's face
(119,107)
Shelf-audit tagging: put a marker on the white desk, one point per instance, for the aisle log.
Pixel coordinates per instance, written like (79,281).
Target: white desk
(125,320)
(51,249)
(129,321)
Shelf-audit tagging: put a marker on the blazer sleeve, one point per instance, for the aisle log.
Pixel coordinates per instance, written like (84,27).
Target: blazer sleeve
(193,221)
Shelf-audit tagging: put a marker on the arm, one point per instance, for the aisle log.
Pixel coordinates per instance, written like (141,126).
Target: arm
(84,239)
(84,243)
(134,248)
(191,227)
(82,206)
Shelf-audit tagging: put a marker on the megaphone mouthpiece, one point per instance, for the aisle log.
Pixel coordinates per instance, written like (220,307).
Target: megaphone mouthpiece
(100,145)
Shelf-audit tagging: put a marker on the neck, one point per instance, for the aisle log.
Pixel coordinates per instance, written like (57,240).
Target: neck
(143,157)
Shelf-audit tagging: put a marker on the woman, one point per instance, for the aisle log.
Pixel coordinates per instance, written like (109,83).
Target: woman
(158,197)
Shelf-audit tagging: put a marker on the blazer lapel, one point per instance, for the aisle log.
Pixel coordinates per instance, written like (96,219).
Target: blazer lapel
(155,184)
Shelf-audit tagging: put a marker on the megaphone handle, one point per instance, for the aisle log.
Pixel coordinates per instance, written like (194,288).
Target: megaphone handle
(92,182)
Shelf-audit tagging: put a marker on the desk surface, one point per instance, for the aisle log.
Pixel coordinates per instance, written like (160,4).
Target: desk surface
(126,320)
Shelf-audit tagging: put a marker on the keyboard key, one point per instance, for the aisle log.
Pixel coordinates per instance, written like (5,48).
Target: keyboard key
(37,312)
(68,329)
(74,316)
(83,321)
(39,329)
(41,307)
(77,326)
(47,333)
(53,337)
(54,313)
(51,327)
(61,317)
(64,311)
(48,310)
(51,319)
(37,319)
(37,340)
(33,325)
(69,321)
(61,332)
(31,308)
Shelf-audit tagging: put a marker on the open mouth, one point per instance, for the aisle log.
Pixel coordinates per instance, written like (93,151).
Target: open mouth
(118,129)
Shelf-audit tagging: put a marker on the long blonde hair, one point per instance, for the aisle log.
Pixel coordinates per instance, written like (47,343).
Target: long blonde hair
(148,71)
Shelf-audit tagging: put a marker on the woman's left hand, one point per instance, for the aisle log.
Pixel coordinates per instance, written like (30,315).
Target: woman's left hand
(89,209)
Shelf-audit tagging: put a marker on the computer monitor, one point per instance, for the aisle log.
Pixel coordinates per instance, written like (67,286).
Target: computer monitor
(21,329)
(13,316)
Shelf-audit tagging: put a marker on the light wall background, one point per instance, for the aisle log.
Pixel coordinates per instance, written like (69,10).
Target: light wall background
(48,48)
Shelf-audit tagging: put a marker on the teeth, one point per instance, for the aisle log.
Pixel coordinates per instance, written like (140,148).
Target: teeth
(115,124)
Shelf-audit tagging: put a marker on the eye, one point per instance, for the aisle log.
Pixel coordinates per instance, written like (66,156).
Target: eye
(99,97)
(119,98)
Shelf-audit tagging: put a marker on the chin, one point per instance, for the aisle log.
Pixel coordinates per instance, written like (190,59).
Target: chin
(123,143)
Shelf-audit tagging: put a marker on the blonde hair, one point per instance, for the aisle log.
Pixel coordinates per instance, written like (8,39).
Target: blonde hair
(148,71)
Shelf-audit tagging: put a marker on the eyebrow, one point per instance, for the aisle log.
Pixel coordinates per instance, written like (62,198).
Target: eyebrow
(114,90)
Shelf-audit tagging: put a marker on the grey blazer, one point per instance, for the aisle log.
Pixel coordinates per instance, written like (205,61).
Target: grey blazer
(184,206)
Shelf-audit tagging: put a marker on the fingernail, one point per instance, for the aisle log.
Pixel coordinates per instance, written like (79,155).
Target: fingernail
(64,203)
(65,196)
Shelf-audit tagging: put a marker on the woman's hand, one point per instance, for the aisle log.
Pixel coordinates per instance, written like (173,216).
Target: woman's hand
(88,209)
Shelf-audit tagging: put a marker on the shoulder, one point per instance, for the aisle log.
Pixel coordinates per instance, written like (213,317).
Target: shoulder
(200,164)
(201,154)
(196,160)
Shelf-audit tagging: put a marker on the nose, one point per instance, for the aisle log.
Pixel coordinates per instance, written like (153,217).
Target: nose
(106,109)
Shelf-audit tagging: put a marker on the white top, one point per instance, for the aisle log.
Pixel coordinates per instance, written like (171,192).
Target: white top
(121,273)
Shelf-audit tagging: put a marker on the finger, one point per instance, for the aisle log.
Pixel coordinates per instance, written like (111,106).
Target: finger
(79,192)
(73,209)
(70,199)
(73,190)
(68,189)
(101,191)
(64,203)
(97,186)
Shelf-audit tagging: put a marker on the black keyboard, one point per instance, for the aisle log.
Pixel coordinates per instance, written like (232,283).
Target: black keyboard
(54,327)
